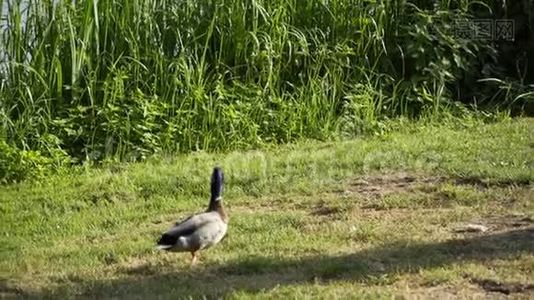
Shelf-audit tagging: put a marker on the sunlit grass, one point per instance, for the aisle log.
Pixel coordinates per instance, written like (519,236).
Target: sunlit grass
(309,219)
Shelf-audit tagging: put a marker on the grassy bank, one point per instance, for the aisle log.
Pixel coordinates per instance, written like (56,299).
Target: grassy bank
(376,216)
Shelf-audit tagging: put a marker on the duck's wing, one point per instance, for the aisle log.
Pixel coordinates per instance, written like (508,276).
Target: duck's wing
(185,228)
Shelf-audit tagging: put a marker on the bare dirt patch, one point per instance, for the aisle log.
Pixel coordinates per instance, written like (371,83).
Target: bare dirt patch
(447,292)
(506,288)
(501,223)
(475,181)
(378,186)
(322,210)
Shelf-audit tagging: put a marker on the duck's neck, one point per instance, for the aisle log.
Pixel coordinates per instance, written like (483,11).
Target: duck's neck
(214,203)
(217,206)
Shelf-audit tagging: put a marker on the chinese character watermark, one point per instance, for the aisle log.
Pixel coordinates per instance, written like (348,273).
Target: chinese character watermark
(464,29)
(505,30)
(485,29)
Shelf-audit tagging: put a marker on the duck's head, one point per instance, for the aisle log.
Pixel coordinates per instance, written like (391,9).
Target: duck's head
(217,181)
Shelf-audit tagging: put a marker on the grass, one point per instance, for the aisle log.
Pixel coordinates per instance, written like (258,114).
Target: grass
(374,217)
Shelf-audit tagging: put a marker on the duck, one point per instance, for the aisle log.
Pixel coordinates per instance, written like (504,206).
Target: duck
(199,231)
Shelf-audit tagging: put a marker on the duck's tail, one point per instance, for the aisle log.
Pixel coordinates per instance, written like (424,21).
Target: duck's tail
(166,242)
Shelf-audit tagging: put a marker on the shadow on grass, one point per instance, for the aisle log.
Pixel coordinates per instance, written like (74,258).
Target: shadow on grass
(253,274)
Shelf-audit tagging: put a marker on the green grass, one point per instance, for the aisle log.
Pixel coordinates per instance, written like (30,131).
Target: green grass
(374,217)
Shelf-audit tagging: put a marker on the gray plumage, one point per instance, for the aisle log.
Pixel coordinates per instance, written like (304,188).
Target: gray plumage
(195,233)
(199,231)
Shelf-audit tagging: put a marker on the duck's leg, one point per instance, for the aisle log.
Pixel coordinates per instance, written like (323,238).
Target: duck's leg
(193,257)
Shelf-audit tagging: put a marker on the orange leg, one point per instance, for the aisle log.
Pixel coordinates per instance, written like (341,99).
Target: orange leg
(194,258)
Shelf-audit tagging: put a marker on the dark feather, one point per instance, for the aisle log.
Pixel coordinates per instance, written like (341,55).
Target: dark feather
(172,238)
(217,180)
(167,239)
(182,228)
